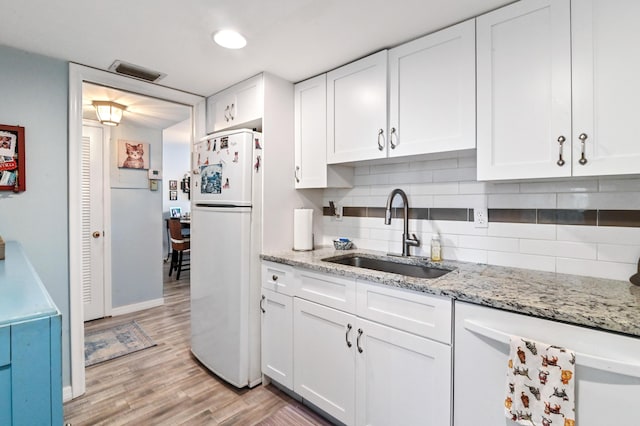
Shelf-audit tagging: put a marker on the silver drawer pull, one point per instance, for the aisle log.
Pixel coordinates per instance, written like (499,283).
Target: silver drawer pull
(583,140)
(393,132)
(380,137)
(561,140)
(346,336)
(360,350)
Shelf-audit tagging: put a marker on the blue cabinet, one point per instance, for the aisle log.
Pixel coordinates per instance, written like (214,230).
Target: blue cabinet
(30,346)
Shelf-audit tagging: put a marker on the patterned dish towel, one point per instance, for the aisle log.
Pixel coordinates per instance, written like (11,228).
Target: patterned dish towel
(540,384)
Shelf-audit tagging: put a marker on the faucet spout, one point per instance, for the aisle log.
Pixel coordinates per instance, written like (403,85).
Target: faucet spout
(407,241)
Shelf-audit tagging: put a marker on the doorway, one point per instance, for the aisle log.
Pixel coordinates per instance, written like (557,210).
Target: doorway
(78,76)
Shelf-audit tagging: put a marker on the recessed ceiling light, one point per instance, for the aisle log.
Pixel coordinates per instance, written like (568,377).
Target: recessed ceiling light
(229,39)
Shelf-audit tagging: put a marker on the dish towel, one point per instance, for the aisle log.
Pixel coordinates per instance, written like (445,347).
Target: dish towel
(540,384)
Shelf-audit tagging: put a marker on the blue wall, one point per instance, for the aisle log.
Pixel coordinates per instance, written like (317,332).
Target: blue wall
(34,92)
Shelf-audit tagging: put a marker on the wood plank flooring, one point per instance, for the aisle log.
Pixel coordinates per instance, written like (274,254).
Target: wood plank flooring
(166,385)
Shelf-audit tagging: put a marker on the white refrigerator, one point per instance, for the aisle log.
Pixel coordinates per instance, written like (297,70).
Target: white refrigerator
(225,247)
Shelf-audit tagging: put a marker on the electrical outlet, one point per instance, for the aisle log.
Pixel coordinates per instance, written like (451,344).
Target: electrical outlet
(480,217)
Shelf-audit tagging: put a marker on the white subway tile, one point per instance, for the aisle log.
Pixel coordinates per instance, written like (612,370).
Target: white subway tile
(522,201)
(411,177)
(573,185)
(448,163)
(590,268)
(489,243)
(456,227)
(453,175)
(559,248)
(619,184)
(467,161)
(519,260)
(503,188)
(464,254)
(618,253)
(600,200)
(385,189)
(434,188)
(389,168)
(361,170)
(599,234)
(472,187)
(459,201)
(522,230)
(381,179)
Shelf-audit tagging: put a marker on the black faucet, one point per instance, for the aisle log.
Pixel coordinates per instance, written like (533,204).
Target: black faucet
(406,240)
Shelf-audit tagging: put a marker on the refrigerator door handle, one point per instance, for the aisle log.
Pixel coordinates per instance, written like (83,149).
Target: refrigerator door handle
(592,361)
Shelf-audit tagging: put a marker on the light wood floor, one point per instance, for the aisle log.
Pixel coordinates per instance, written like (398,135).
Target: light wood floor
(166,385)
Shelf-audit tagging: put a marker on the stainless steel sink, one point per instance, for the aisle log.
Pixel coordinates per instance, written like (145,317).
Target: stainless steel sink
(385,265)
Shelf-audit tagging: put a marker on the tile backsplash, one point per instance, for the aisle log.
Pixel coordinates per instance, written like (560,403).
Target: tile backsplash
(583,226)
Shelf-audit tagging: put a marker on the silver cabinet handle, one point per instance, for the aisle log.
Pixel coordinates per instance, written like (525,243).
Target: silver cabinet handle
(561,140)
(346,336)
(232,111)
(393,132)
(295,174)
(358,340)
(261,301)
(380,136)
(226,114)
(583,140)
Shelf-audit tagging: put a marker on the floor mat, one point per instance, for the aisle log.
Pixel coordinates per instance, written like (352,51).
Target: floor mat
(114,342)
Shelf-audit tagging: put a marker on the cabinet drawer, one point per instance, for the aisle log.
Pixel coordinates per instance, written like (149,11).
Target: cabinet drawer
(278,278)
(5,346)
(329,290)
(422,314)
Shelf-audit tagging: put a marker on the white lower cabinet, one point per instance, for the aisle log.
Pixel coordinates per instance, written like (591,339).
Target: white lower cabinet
(324,367)
(365,373)
(402,379)
(277,337)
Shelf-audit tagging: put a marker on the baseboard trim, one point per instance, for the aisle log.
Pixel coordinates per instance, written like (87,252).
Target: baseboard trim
(127,309)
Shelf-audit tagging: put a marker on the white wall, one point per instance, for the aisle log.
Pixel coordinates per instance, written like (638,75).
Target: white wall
(34,92)
(600,251)
(137,228)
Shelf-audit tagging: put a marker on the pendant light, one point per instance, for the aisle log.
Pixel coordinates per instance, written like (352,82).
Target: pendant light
(109,113)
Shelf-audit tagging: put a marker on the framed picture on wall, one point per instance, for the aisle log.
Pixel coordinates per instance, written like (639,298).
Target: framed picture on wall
(173,195)
(12,158)
(133,155)
(173,185)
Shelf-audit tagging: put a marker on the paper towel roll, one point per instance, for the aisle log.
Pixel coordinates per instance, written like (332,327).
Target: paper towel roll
(303,229)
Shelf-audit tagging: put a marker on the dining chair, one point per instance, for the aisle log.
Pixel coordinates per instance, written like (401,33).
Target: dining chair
(179,246)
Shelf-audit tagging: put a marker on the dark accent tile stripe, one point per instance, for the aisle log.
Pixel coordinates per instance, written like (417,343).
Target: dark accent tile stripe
(354,211)
(624,218)
(512,215)
(449,214)
(568,217)
(619,218)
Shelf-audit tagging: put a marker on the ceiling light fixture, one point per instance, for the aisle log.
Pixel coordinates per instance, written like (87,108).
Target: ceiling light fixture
(230,39)
(109,113)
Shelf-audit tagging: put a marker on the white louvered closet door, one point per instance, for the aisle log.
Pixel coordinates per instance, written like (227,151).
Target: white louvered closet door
(93,291)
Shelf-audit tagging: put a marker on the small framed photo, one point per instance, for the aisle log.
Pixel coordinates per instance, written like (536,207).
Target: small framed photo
(173,185)
(173,195)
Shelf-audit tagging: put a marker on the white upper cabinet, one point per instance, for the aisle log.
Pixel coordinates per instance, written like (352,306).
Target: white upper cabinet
(357,110)
(524,91)
(606,88)
(311,170)
(432,85)
(557,87)
(239,105)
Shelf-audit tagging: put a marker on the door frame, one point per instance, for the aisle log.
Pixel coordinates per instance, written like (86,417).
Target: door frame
(79,74)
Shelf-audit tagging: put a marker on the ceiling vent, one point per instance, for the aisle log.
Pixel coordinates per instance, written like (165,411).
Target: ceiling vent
(136,71)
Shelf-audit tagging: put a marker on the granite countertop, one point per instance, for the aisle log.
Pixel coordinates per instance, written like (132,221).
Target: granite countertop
(603,304)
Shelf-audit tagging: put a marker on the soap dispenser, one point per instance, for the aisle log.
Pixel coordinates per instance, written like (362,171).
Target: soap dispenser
(436,248)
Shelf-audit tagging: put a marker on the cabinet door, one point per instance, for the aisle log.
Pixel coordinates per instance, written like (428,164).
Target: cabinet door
(277,337)
(311,133)
(402,378)
(524,90)
(323,349)
(218,111)
(357,110)
(432,103)
(605,86)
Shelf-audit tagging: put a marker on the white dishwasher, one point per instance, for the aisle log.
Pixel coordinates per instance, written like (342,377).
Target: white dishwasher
(607,367)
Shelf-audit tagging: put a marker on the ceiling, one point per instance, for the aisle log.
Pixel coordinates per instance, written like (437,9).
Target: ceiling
(142,111)
(294,39)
